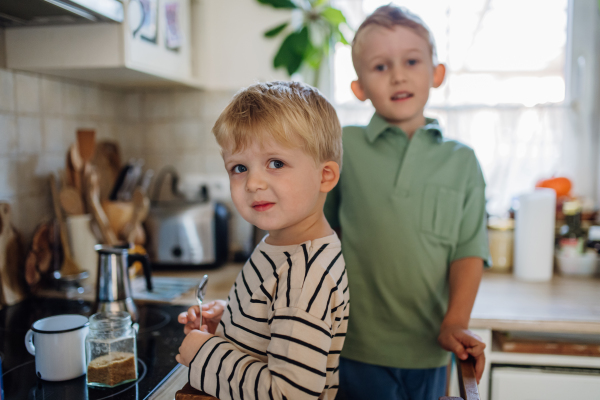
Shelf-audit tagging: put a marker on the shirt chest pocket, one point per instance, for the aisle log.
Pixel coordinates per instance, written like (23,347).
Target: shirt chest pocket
(441,211)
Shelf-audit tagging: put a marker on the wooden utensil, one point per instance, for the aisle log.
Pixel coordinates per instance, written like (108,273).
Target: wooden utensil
(133,229)
(93,199)
(86,144)
(71,202)
(11,260)
(69,267)
(107,160)
(77,164)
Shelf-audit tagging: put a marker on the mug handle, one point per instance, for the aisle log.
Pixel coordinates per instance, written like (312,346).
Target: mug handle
(29,342)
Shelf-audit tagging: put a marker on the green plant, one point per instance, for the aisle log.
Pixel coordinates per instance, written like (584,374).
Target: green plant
(308,42)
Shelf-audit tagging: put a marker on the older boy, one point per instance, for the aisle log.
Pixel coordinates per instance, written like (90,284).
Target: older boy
(411,208)
(283,326)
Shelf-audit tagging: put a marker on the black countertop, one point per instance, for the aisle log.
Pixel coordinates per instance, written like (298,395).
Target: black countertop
(158,341)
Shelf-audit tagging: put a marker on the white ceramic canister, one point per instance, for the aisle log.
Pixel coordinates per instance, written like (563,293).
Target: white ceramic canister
(82,242)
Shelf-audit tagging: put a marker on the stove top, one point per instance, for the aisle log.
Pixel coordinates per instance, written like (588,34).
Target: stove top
(158,341)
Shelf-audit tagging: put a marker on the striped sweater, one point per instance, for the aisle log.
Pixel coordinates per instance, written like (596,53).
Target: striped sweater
(285,323)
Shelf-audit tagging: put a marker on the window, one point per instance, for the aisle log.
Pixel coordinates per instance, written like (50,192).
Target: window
(504,93)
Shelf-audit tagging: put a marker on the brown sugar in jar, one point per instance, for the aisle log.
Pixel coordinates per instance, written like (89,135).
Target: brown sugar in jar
(111,350)
(112,369)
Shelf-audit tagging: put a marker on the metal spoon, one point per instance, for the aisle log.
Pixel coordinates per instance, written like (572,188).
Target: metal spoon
(200,293)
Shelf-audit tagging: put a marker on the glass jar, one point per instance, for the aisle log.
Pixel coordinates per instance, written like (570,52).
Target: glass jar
(111,350)
(501,239)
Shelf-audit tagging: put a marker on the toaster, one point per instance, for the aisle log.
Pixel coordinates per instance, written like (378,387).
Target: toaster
(184,232)
(187,234)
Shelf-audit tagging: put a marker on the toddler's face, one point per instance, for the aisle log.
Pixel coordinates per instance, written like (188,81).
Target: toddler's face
(274,187)
(395,71)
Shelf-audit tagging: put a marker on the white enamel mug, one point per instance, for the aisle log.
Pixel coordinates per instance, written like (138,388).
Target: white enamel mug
(58,344)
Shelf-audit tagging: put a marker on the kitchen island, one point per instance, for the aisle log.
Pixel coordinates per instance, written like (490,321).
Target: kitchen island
(559,309)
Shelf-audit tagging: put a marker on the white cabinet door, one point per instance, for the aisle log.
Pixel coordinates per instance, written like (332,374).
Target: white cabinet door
(509,383)
(230,51)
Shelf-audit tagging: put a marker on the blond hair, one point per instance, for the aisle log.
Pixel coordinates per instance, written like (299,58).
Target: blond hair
(390,16)
(291,113)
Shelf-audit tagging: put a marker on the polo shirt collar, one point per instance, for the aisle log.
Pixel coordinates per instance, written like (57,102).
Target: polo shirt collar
(378,125)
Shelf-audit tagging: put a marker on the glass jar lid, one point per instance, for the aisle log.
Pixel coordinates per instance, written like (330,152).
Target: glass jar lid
(109,321)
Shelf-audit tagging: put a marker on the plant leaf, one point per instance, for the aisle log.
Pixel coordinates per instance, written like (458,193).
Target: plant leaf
(279,3)
(275,31)
(333,16)
(291,53)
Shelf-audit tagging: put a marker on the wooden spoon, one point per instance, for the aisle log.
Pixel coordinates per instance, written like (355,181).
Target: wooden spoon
(133,231)
(107,161)
(86,144)
(71,202)
(77,164)
(69,266)
(93,199)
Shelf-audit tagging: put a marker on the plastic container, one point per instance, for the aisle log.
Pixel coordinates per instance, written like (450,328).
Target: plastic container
(534,236)
(111,350)
(585,264)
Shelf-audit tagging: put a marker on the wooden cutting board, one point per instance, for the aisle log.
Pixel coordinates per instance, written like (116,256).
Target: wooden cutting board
(189,393)
(12,260)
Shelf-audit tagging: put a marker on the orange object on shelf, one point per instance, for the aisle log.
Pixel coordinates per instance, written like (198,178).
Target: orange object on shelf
(561,185)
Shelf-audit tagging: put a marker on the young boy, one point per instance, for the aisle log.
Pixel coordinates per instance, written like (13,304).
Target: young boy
(280,333)
(411,208)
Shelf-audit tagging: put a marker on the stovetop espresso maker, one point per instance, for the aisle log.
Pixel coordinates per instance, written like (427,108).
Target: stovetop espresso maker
(113,289)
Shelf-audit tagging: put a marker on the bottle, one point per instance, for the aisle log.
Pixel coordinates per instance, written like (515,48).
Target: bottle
(501,239)
(594,238)
(572,236)
(111,350)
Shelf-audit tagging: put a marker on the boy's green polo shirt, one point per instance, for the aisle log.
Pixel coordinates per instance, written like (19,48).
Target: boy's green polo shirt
(407,209)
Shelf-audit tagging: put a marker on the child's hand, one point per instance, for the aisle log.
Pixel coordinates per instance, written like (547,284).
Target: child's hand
(463,343)
(190,346)
(211,315)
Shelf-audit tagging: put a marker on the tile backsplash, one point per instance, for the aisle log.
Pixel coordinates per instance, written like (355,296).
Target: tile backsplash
(39,116)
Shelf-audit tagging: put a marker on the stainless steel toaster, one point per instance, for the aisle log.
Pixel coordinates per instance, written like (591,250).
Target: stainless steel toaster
(185,232)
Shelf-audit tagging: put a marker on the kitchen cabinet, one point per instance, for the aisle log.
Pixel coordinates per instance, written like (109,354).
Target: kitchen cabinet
(510,383)
(230,50)
(561,306)
(110,53)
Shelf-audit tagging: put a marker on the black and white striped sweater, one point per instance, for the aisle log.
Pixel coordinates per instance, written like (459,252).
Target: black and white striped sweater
(285,323)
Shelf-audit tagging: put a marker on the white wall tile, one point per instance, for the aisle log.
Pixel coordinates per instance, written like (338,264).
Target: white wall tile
(91,101)
(159,138)
(28,182)
(7,90)
(52,99)
(72,99)
(131,108)
(188,136)
(28,211)
(189,164)
(30,134)
(214,103)
(214,164)
(27,92)
(8,178)
(52,134)
(111,102)
(188,104)
(8,134)
(157,105)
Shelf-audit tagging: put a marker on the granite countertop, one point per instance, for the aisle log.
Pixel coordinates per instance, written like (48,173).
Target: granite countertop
(569,305)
